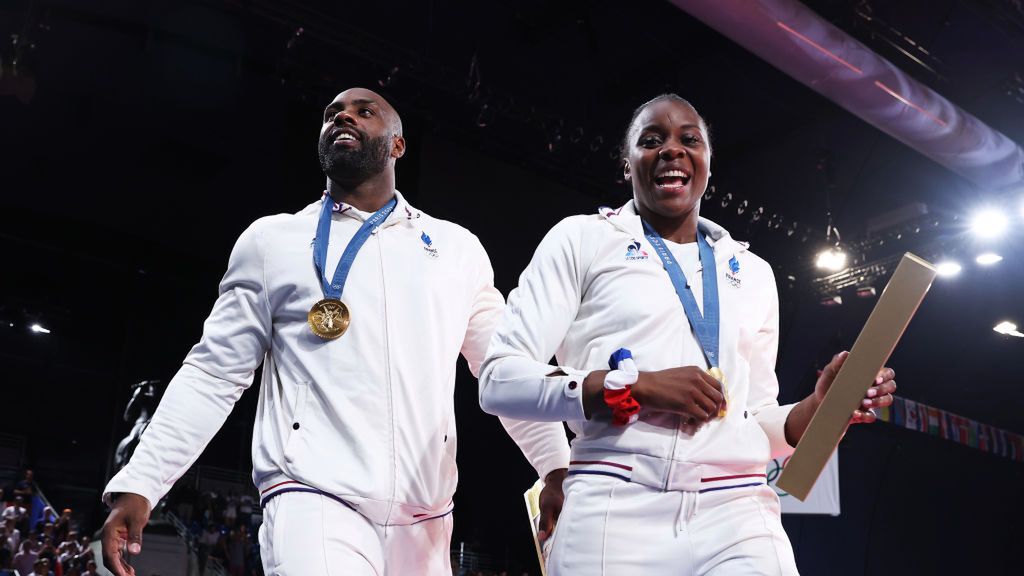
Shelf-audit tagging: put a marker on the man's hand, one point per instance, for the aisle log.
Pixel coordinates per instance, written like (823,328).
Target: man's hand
(551,500)
(122,532)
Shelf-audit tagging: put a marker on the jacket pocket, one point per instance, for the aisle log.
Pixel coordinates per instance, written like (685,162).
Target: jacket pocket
(297,422)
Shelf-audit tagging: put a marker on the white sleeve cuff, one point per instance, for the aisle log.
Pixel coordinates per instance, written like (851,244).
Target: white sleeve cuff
(572,388)
(122,482)
(520,388)
(773,421)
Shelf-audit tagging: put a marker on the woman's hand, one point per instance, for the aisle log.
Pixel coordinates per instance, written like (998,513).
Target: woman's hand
(689,391)
(877,396)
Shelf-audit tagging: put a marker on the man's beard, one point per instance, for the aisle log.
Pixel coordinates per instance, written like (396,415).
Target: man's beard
(348,164)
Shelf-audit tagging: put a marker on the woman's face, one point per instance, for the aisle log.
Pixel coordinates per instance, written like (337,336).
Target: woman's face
(668,158)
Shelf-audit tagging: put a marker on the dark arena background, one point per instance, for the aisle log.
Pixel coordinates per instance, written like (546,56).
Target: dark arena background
(139,138)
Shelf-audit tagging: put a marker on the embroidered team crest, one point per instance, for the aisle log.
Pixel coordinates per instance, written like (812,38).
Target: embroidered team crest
(635,252)
(733,274)
(428,245)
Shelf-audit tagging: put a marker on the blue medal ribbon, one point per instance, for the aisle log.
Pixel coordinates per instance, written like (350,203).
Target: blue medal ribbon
(705,326)
(335,287)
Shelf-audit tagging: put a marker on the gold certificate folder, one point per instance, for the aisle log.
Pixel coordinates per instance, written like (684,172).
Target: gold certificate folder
(878,338)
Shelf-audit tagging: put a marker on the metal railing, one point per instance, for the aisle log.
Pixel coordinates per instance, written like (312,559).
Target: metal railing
(465,561)
(213,565)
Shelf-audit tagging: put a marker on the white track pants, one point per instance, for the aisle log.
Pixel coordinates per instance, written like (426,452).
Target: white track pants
(609,527)
(304,534)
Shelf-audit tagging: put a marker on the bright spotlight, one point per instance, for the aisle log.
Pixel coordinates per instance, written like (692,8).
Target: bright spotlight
(832,259)
(1008,328)
(989,223)
(39,329)
(988,258)
(948,268)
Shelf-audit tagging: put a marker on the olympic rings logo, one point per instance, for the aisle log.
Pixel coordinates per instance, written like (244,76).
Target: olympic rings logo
(774,470)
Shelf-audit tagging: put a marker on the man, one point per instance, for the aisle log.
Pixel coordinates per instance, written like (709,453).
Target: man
(25,487)
(62,527)
(25,560)
(208,540)
(41,568)
(17,512)
(11,541)
(358,306)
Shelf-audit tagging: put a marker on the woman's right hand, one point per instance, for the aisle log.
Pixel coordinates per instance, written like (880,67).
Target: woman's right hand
(689,391)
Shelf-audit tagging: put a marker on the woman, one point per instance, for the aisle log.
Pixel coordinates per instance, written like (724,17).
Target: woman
(667,474)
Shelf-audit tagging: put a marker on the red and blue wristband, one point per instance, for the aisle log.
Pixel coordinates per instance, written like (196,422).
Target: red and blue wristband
(617,388)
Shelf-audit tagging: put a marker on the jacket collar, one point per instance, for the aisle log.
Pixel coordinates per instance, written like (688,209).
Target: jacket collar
(403,212)
(625,218)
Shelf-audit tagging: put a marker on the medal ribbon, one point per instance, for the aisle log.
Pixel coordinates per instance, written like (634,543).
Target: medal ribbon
(705,326)
(335,287)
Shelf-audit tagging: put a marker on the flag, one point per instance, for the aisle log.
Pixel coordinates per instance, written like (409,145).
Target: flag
(965,429)
(922,417)
(983,438)
(884,414)
(1003,448)
(898,416)
(910,420)
(937,422)
(933,420)
(1018,443)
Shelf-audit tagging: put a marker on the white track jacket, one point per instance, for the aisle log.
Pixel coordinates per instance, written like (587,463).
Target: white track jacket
(591,289)
(368,417)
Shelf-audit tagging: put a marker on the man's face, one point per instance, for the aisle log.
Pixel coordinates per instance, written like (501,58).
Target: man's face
(358,137)
(668,158)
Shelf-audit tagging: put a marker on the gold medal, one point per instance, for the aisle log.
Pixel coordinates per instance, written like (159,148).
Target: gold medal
(717,374)
(329,318)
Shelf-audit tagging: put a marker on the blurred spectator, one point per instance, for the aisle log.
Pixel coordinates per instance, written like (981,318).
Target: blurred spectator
(245,510)
(207,543)
(237,547)
(67,553)
(49,554)
(41,567)
(90,569)
(44,532)
(11,543)
(230,510)
(26,487)
(48,515)
(187,497)
(24,561)
(63,526)
(19,513)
